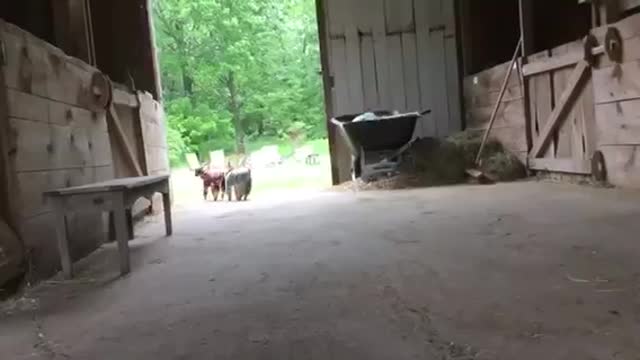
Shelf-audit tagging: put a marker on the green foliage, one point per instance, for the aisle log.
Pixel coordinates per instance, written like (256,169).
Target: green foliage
(239,70)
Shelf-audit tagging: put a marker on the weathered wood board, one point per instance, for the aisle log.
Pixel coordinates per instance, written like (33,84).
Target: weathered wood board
(618,123)
(370,86)
(354,64)
(340,73)
(396,73)
(54,139)
(623,165)
(510,114)
(616,83)
(410,68)
(399,16)
(154,135)
(560,77)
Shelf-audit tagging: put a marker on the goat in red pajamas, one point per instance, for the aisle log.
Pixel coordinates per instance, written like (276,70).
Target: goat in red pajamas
(213,179)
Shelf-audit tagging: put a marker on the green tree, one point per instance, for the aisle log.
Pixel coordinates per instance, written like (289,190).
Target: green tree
(234,69)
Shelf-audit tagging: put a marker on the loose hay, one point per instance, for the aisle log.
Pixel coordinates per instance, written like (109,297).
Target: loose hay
(433,162)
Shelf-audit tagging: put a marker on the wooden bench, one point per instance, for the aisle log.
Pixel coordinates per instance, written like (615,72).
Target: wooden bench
(116,196)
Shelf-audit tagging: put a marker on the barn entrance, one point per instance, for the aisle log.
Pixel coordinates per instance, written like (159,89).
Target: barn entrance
(242,87)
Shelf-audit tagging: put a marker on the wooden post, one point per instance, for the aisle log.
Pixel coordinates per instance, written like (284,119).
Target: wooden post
(166,201)
(152,56)
(73,29)
(122,232)
(62,239)
(528,48)
(327,81)
(527,30)
(9,197)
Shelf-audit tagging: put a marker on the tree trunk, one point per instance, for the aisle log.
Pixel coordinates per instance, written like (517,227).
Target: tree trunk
(234,107)
(187,82)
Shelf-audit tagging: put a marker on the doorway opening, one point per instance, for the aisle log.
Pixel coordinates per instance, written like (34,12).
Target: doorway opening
(242,86)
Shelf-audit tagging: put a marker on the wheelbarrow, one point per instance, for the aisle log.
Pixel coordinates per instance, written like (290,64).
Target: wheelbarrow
(377,141)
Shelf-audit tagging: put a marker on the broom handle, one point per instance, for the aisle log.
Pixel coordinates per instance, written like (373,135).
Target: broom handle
(494,114)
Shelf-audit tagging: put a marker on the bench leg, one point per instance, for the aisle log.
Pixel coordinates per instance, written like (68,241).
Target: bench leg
(63,244)
(166,201)
(122,237)
(130,224)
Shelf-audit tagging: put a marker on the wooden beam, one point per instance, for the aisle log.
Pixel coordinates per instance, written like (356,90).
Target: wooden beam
(123,140)
(570,166)
(327,81)
(125,98)
(9,197)
(558,62)
(152,53)
(73,29)
(562,107)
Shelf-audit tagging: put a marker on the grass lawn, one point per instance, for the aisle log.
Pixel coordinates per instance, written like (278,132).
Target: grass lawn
(291,175)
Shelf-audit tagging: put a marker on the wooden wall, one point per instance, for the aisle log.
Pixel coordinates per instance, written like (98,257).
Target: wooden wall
(604,117)
(617,107)
(55,140)
(141,120)
(154,135)
(395,55)
(481,91)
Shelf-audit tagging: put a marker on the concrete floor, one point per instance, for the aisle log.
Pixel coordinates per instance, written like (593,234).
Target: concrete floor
(517,271)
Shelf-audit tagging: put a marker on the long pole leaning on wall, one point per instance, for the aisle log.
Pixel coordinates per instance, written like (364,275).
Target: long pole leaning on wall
(527,48)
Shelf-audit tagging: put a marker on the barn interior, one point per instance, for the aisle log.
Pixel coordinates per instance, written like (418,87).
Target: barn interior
(530,269)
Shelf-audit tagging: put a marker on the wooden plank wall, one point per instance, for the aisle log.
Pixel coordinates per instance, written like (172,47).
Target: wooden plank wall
(154,135)
(397,55)
(55,140)
(481,91)
(605,117)
(154,140)
(617,107)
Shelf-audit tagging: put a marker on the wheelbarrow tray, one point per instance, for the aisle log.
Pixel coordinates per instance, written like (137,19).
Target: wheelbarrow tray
(383,134)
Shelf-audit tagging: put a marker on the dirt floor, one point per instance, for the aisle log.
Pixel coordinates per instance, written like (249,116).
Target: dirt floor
(517,271)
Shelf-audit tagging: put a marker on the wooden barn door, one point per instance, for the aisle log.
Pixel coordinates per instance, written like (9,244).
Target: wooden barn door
(561,109)
(392,55)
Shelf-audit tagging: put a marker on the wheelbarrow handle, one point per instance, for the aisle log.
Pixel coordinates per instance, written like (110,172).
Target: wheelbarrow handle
(425,112)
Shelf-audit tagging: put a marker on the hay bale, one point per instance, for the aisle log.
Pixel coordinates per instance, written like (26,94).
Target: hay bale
(469,143)
(435,162)
(503,166)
